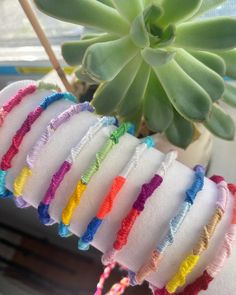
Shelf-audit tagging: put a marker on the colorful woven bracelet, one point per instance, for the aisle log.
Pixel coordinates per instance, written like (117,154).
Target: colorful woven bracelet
(212,270)
(43,208)
(174,225)
(191,260)
(34,154)
(119,288)
(105,275)
(20,96)
(201,283)
(146,192)
(115,188)
(20,134)
(75,198)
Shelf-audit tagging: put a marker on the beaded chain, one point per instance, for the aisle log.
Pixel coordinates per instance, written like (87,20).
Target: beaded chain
(32,157)
(6,162)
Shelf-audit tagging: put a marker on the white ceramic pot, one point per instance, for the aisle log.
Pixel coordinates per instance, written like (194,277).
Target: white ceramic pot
(199,152)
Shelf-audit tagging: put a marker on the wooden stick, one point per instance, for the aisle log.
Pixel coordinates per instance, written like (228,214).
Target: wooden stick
(45,43)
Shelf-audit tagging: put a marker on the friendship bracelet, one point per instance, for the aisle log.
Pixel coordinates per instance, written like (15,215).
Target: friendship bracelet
(75,198)
(191,260)
(106,273)
(20,96)
(119,288)
(229,240)
(174,225)
(212,270)
(43,208)
(26,172)
(6,161)
(146,192)
(202,282)
(115,188)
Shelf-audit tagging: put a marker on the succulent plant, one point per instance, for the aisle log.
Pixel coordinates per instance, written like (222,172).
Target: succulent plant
(155,60)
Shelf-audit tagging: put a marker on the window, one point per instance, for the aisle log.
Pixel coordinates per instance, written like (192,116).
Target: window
(18,40)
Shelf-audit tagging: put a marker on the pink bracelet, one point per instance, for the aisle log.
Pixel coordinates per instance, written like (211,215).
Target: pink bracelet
(202,283)
(33,155)
(20,96)
(189,263)
(17,139)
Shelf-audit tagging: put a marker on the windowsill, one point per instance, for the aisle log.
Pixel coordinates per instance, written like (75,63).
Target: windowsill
(35,54)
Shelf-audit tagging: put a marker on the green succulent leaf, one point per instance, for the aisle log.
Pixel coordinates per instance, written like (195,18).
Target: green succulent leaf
(180,132)
(134,96)
(207,5)
(73,52)
(129,9)
(157,109)
(148,20)
(88,13)
(104,61)
(211,82)
(152,13)
(109,95)
(148,2)
(167,37)
(139,33)
(107,2)
(156,56)
(211,60)
(83,76)
(152,63)
(178,10)
(188,97)
(230,59)
(91,35)
(220,123)
(230,94)
(210,34)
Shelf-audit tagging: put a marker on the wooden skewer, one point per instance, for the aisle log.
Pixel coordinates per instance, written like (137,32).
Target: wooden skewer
(45,43)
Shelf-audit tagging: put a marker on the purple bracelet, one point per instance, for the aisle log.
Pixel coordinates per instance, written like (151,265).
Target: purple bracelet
(35,152)
(43,208)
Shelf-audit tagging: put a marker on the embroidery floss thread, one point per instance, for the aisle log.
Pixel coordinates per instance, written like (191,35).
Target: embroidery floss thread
(17,139)
(212,270)
(115,188)
(120,287)
(106,273)
(191,260)
(57,178)
(26,172)
(75,198)
(21,95)
(175,223)
(128,222)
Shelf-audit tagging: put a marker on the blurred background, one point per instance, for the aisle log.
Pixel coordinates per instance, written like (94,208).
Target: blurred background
(33,260)
(21,55)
